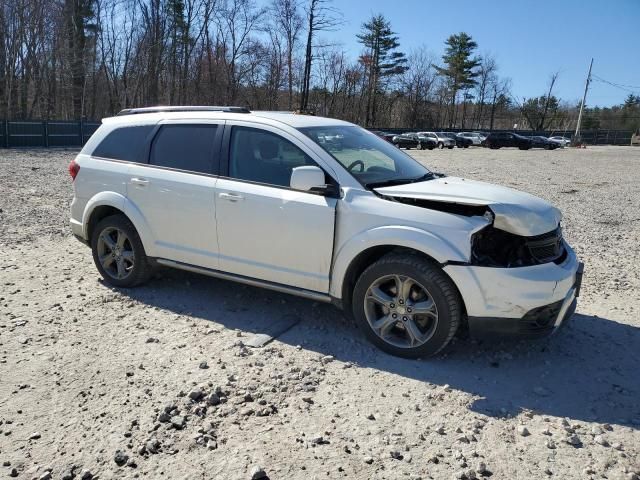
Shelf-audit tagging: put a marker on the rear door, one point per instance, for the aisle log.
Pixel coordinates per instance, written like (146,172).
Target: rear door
(175,191)
(267,230)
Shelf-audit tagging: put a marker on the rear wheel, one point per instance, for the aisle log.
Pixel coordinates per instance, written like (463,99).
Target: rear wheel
(407,306)
(420,147)
(118,252)
(440,145)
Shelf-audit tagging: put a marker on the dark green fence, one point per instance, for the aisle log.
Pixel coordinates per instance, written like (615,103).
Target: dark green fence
(50,133)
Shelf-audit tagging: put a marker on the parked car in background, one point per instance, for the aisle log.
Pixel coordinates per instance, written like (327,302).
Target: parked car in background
(538,141)
(404,141)
(635,138)
(388,137)
(384,135)
(497,140)
(474,137)
(460,142)
(441,140)
(423,142)
(562,141)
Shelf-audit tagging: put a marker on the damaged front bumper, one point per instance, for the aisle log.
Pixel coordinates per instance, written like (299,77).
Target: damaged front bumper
(526,302)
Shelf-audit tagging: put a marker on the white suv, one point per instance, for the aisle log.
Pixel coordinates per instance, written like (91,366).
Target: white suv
(323,209)
(441,140)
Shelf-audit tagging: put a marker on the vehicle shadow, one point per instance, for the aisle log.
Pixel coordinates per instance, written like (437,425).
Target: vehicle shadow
(589,371)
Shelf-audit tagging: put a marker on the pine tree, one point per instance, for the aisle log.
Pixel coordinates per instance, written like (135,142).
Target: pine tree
(460,66)
(381,59)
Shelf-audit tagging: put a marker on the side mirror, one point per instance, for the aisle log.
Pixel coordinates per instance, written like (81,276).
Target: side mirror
(310,179)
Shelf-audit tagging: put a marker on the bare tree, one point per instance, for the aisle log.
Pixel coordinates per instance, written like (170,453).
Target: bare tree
(320,17)
(417,84)
(238,19)
(288,22)
(69,59)
(487,77)
(155,42)
(541,111)
(500,94)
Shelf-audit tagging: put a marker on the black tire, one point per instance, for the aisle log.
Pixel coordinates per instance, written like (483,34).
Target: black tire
(450,147)
(440,145)
(140,271)
(420,147)
(440,287)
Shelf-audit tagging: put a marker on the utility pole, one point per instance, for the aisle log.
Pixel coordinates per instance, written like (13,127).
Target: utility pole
(584,98)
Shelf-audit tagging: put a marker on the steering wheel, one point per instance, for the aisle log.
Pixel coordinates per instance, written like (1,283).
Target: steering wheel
(355,164)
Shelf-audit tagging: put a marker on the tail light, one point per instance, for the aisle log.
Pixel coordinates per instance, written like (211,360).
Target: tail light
(74,168)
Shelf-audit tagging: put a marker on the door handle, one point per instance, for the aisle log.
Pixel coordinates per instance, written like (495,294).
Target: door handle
(232,197)
(142,182)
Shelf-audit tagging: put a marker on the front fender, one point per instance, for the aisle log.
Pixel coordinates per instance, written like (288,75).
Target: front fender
(428,243)
(122,203)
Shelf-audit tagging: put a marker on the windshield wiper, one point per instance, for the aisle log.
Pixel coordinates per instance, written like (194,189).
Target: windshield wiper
(426,176)
(399,181)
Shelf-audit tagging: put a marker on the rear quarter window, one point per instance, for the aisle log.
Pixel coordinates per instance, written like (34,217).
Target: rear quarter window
(124,143)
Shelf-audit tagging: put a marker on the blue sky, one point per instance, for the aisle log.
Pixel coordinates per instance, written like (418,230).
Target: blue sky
(530,39)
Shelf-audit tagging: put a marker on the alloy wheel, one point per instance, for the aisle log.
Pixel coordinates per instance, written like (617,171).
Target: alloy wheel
(115,253)
(401,311)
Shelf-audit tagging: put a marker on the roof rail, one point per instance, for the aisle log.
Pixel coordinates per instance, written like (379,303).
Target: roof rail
(134,111)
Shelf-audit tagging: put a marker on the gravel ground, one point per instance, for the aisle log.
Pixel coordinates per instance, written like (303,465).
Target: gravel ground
(156,382)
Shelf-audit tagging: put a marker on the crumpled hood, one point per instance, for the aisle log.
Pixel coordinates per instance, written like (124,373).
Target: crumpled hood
(515,212)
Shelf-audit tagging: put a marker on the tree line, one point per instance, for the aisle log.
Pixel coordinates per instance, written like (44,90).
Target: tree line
(72,59)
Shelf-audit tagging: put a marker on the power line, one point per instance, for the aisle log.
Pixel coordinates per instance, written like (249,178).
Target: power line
(626,88)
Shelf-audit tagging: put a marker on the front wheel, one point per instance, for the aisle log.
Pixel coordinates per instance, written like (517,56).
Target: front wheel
(440,146)
(420,147)
(118,252)
(407,306)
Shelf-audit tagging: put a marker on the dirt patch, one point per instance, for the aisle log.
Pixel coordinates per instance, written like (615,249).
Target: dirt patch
(157,382)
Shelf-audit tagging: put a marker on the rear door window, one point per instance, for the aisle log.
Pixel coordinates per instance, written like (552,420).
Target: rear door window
(124,143)
(185,147)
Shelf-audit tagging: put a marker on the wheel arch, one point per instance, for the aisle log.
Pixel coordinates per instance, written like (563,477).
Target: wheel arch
(353,258)
(105,204)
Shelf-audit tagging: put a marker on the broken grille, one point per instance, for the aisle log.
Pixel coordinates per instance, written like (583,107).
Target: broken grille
(546,247)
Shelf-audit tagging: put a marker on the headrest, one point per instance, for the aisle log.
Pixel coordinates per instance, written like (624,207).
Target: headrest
(268,149)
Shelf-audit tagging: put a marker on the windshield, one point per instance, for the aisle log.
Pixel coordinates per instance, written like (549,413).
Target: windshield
(370,159)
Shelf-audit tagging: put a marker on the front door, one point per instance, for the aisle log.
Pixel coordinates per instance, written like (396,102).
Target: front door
(266,230)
